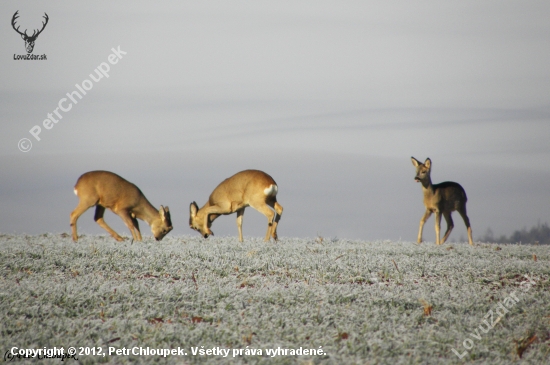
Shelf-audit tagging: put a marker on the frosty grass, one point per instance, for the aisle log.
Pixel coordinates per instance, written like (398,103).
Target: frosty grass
(359,302)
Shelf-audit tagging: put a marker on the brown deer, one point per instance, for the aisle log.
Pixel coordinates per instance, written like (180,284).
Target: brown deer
(441,199)
(104,189)
(247,188)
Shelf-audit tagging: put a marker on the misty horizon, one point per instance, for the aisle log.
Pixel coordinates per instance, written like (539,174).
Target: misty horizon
(330,99)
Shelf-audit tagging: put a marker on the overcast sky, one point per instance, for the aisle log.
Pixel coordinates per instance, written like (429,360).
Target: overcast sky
(331,98)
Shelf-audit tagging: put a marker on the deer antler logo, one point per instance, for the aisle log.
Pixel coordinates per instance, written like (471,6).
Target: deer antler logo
(29,40)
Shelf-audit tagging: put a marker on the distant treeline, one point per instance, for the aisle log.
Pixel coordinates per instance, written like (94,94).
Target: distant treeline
(538,234)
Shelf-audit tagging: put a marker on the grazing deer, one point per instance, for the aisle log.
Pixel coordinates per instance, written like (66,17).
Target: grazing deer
(105,189)
(442,199)
(247,188)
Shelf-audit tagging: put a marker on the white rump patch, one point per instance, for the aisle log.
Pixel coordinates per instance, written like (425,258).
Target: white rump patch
(75,192)
(271,190)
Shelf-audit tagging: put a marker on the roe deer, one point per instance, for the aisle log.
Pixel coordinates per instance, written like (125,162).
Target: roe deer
(246,188)
(442,199)
(105,189)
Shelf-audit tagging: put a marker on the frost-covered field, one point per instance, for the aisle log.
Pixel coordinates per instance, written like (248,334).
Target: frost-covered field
(363,302)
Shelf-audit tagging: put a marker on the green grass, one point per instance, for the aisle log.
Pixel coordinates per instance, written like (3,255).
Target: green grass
(363,302)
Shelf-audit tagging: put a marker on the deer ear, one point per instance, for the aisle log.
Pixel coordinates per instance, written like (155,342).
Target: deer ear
(23,36)
(428,163)
(162,211)
(415,162)
(193,208)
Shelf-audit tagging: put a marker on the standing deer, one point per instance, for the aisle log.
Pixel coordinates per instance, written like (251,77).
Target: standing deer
(441,199)
(104,189)
(29,40)
(247,188)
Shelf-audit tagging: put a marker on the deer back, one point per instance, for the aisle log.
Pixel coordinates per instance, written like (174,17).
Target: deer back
(451,195)
(244,187)
(109,189)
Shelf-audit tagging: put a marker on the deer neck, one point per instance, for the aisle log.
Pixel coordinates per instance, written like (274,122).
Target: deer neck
(201,213)
(146,211)
(427,186)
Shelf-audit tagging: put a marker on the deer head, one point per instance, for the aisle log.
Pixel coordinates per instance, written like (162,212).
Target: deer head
(29,40)
(161,227)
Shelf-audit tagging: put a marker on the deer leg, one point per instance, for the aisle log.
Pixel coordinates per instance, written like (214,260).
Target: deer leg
(212,213)
(270,214)
(240,214)
(79,210)
(136,226)
(450,226)
(423,220)
(279,210)
(437,227)
(464,216)
(129,222)
(98,218)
